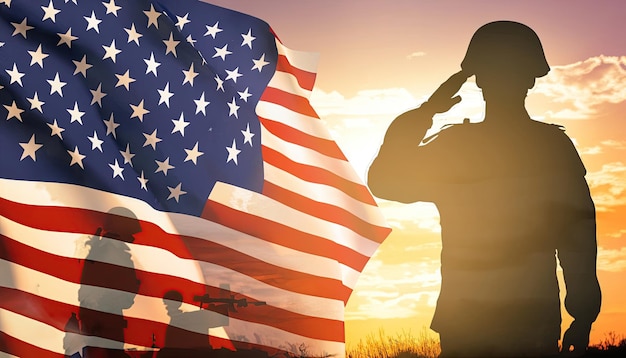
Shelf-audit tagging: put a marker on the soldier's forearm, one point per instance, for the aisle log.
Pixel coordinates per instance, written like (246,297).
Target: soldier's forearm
(409,128)
(583,299)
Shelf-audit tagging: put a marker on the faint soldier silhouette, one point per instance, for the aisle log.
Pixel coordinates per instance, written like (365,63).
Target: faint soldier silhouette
(187,333)
(511,194)
(108,264)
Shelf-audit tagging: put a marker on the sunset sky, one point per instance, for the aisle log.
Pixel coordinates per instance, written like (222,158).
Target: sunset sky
(378,59)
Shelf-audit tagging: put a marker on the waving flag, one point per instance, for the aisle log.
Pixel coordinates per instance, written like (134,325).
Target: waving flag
(166,187)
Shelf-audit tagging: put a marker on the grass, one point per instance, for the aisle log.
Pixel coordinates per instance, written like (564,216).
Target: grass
(613,345)
(424,345)
(402,345)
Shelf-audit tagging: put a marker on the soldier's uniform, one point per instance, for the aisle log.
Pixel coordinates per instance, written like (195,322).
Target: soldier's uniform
(509,198)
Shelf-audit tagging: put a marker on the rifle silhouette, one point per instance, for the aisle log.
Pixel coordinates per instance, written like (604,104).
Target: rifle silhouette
(232,301)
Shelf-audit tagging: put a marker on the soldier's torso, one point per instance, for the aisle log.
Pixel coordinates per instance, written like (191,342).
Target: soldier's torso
(499,209)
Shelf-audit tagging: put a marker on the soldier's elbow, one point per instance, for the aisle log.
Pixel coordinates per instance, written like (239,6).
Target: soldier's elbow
(385,186)
(379,182)
(375,182)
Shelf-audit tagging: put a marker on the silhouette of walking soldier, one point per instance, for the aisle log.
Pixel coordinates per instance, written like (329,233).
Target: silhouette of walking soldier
(511,194)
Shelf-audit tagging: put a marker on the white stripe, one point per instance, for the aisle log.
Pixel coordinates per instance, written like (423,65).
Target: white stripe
(7,355)
(287,82)
(256,204)
(310,157)
(349,275)
(324,194)
(163,262)
(144,307)
(182,224)
(306,61)
(309,125)
(76,196)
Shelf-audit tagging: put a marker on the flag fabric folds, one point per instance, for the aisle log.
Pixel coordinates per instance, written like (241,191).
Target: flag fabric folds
(166,186)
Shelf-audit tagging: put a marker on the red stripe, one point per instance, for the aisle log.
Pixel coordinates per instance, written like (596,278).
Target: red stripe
(19,348)
(327,212)
(289,134)
(317,175)
(183,246)
(283,235)
(288,100)
(305,79)
(156,285)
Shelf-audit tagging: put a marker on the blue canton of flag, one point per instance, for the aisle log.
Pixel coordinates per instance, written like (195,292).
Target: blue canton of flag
(158,108)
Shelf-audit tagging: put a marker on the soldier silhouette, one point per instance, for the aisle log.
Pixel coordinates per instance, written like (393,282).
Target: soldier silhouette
(108,264)
(511,194)
(187,333)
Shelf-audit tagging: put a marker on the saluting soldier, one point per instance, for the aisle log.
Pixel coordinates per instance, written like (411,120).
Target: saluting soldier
(511,194)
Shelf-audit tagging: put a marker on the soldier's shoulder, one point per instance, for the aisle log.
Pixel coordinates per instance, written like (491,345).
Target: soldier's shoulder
(549,126)
(550,131)
(558,144)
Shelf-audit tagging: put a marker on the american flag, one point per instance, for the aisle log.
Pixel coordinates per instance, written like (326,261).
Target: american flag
(165,184)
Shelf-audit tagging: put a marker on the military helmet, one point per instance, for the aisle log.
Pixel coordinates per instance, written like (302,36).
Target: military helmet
(507,46)
(121,221)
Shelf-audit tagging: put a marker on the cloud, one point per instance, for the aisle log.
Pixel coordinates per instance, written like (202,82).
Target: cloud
(591,150)
(416,54)
(604,147)
(612,260)
(615,144)
(425,246)
(374,102)
(377,294)
(404,306)
(583,85)
(400,290)
(608,186)
(618,234)
(567,113)
(386,275)
(421,215)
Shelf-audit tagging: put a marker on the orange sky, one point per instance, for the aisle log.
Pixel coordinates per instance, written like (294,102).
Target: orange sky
(379,60)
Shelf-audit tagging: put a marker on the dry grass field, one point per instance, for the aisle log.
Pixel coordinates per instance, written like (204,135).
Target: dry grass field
(403,345)
(424,345)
